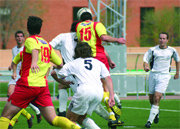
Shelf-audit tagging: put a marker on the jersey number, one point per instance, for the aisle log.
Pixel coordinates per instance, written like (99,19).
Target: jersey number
(88,64)
(85,34)
(45,54)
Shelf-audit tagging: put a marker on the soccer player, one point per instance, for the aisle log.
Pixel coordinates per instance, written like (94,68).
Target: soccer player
(89,93)
(159,58)
(94,33)
(66,43)
(32,87)
(19,36)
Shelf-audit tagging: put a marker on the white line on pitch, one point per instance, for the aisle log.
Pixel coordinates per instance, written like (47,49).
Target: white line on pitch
(149,109)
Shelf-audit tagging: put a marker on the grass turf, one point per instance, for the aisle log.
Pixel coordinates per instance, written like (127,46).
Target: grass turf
(134,113)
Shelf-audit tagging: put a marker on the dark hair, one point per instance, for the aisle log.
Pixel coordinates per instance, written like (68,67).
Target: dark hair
(165,34)
(82,50)
(73,26)
(34,25)
(17,32)
(86,16)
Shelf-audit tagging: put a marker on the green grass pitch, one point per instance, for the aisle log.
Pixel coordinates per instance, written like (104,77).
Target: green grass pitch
(134,113)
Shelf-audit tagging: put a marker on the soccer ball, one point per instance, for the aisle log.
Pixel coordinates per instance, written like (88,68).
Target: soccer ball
(81,11)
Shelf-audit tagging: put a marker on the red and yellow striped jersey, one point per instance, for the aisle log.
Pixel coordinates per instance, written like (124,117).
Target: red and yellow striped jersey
(90,32)
(46,54)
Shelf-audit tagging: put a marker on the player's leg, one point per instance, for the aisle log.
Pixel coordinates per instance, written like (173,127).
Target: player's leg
(58,121)
(38,113)
(118,101)
(63,98)
(102,112)
(8,112)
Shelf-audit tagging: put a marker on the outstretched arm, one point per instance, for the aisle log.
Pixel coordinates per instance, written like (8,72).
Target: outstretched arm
(108,38)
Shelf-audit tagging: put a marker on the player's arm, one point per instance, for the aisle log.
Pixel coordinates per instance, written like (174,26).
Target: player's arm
(147,57)
(112,65)
(60,80)
(14,63)
(31,46)
(101,31)
(55,59)
(34,66)
(176,76)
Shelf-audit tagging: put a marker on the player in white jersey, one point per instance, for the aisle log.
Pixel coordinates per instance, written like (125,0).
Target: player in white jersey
(19,37)
(159,58)
(89,93)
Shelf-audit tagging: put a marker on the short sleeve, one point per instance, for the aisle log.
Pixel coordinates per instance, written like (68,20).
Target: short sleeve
(31,44)
(64,71)
(104,71)
(56,42)
(176,56)
(100,29)
(17,58)
(147,56)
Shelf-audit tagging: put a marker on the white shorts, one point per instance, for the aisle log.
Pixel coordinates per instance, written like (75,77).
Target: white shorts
(158,82)
(85,100)
(13,82)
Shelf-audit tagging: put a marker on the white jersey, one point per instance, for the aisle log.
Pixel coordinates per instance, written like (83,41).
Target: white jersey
(66,44)
(160,59)
(87,72)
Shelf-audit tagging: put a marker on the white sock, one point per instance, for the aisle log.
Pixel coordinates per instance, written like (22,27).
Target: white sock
(117,99)
(102,112)
(35,109)
(63,98)
(89,124)
(153,112)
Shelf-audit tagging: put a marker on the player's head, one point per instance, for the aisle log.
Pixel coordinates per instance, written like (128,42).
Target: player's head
(163,39)
(34,25)
(19,36)
(84,14)
(83,50)
(73,26)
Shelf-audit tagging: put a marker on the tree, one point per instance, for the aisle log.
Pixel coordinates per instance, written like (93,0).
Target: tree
(13,16)
(166,20)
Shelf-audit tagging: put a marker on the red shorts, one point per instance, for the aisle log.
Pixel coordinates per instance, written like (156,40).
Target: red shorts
(103,59)
(23,95)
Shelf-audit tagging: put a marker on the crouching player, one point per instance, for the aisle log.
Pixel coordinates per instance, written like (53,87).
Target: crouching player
(88,73)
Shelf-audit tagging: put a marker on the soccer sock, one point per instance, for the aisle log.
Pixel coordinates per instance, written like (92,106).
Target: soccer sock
(102,112)
(14,119)
(35,109)
(118,101)
(153,112)
(89,124)
(64,123)
(4,122)
(26,114)
(63,98)
(105,100)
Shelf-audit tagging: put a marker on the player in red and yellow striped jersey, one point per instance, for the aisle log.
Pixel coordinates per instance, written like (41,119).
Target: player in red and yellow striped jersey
(32,87)
(94,33)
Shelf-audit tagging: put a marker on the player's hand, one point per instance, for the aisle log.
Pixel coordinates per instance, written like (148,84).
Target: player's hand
(112,65)
(35,68)
(121,41)
(14,76)
(111,101)
(9,68)
(176,76)
(146,68)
